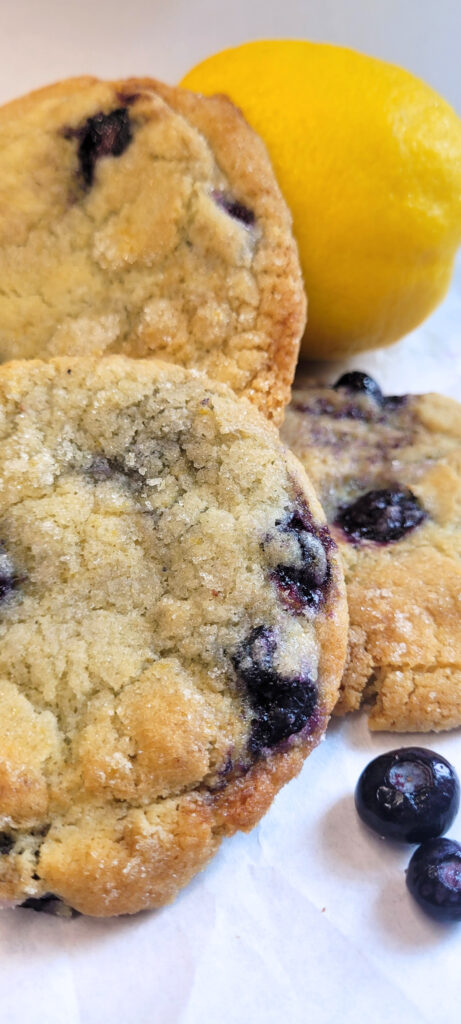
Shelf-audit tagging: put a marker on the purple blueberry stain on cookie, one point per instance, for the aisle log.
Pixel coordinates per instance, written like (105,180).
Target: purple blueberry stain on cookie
(255,656)
(357,382)
(281,706)
(104,468)
(299,549)
(128,99)
(383,516)
(235,209)
(317,405)
(101,135)
(361,399)
(101,468)
(394,402)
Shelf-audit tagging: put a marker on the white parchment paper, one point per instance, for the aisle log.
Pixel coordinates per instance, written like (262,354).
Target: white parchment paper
(305,920)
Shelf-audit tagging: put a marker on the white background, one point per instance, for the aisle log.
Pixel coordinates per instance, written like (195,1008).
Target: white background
(306,919)
(43,40)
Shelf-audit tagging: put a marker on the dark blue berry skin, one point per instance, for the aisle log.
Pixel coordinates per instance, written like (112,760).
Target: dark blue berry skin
(434,878)
(235,209)
(9,579)
(356,381)
(383,516)
(101,135)
(6,843)
(7,584)
(49,904)
(410,794)
(43,904)
(281,706)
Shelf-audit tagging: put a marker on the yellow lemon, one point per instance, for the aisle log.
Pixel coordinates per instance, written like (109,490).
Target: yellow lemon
(369,160)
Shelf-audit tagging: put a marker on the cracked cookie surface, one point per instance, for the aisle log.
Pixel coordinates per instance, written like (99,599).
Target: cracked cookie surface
(156,688)
(143,219)
(388,473)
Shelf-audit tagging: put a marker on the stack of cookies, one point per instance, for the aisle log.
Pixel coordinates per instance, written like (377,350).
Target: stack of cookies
(173,618)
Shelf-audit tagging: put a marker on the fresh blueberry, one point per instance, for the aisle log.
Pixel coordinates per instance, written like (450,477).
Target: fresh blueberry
(101,135)
(410,794)
(304,584)
(281,706)
(383,516)
(6,843)
(434,878)
(235,209)
(355,381)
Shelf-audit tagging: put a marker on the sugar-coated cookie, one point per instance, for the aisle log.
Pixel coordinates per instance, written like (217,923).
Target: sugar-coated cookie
(143,219)
(173,627)
(388,473)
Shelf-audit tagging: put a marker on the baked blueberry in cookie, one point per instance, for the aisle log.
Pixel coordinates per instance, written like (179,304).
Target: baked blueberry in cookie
(388,474)
(9,578)
(101,135)
(143,219)
(281,706)
(298,550)
(48,904)
(157,688)
(383,516)
(234,208)
(6,843)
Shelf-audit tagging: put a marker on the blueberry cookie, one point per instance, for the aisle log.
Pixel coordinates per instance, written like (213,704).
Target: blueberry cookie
(388,473)
(172,627)
(144,219)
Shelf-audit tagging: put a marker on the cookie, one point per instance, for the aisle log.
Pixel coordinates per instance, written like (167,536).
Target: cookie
(144,219)
(388,473)
(173,627)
